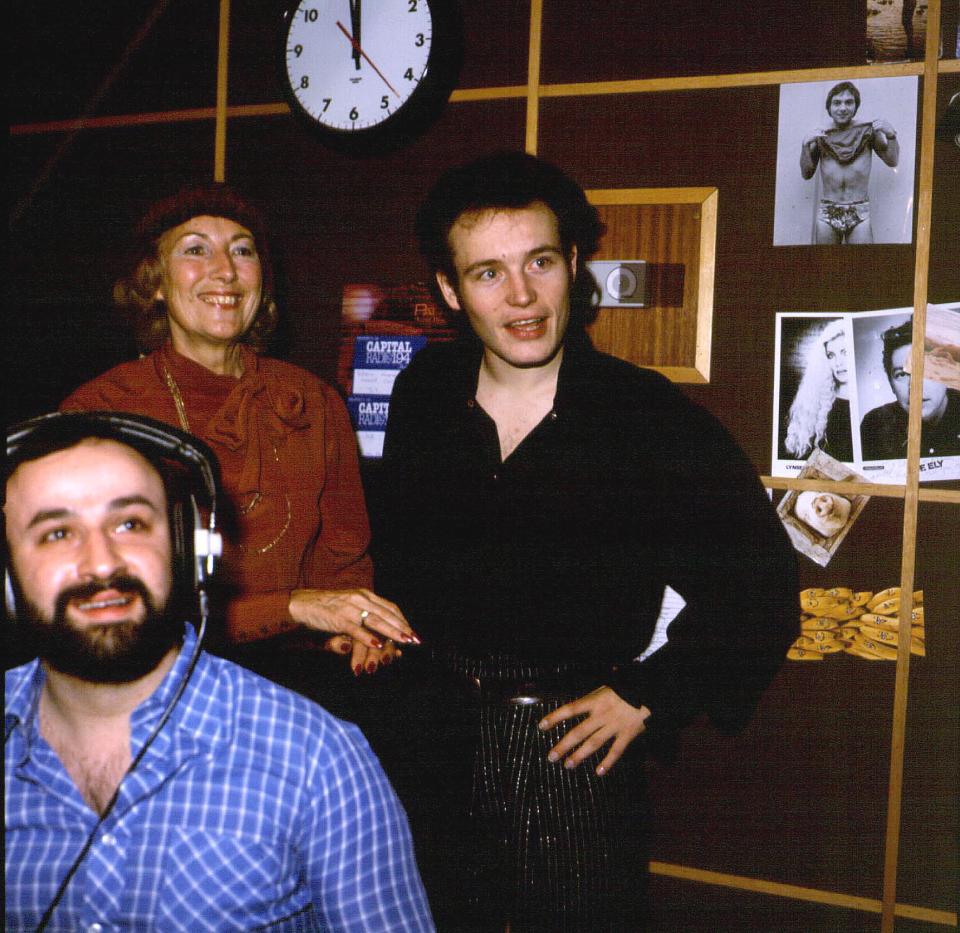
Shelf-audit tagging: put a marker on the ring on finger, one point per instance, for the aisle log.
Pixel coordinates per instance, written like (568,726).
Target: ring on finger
(364,613)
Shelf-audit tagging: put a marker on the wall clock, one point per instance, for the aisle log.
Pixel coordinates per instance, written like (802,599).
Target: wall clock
(370,75)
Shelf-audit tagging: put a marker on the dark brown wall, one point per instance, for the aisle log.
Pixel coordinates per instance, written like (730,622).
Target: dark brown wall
(800,797)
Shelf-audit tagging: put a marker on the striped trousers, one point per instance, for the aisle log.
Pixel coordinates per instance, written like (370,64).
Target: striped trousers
(523,840)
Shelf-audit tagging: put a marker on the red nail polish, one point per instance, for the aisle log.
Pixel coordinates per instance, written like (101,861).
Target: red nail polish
(356,670)
(371,667)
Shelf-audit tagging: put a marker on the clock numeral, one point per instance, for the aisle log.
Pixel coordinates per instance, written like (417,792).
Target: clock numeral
(298,50)
(310,16)
(411,6)
(304,82)
(384,102)
(354,114)
(327,101)
(420,40)
(408,74)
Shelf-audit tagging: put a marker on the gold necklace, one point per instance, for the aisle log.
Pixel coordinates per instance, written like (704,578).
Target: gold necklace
(174,390)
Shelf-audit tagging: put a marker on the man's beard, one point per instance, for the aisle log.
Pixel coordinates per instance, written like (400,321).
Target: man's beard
(112,653)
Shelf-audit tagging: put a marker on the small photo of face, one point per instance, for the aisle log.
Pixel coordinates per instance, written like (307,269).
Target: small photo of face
(934,393)
(825,512)
(843,108)
(835,348)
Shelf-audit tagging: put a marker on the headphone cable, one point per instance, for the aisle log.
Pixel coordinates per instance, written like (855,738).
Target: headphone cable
(108,809)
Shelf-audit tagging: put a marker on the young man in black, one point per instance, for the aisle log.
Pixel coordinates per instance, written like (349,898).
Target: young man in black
(541,497)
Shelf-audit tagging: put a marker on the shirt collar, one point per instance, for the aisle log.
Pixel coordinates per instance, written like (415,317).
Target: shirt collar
(202,710)
(573,377)
(575,382)
(22,695)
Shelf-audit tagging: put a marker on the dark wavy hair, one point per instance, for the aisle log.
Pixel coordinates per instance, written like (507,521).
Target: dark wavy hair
(840,88)
(135,293)
(505,181)
(894,338)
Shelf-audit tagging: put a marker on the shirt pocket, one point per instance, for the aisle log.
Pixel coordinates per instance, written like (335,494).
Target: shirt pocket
(228,881)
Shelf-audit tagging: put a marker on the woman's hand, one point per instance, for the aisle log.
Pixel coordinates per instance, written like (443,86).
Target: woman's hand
(367,618)
(363,660)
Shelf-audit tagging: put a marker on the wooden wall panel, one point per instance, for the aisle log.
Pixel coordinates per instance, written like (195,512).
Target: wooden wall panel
(800,797)
(666,236)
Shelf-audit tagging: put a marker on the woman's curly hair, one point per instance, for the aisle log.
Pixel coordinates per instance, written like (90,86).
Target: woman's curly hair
(816,393)
(135,293)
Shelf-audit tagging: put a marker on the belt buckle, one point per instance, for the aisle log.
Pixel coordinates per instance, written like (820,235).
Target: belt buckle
(525,696)
(524,699)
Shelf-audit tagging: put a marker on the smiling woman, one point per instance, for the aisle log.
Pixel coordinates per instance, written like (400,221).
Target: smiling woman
(211,286)
(296,546)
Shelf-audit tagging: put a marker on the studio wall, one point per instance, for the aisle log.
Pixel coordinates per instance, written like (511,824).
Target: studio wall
(792,816)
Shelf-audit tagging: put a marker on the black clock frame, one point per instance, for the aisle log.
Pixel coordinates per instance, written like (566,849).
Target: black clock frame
(420,110)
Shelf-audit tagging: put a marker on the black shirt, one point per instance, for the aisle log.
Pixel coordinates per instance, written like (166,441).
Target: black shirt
(562,551)
(838,437)
(883,432)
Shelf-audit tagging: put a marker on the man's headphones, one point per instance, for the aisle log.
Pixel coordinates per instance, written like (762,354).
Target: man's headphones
(196,543)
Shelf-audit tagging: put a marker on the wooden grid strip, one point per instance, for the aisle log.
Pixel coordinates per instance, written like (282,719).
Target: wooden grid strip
(891,491)
(912,494)
(533,76)
(223,59)
(795,892)
(722,81)
(911,497)
(505,92)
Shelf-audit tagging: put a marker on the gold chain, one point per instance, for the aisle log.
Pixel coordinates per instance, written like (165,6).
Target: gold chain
(177,399)
(286,524)
(257,496)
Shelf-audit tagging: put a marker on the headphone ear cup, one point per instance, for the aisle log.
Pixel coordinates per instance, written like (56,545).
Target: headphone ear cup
(182,584)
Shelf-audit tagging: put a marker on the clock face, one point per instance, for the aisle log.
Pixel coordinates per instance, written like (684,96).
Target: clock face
(353,66)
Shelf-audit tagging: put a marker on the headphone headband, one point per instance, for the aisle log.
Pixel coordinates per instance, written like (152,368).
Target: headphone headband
(25,441)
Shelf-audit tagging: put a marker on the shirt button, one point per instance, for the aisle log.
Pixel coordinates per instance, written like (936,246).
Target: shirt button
(553,416)
(496,476)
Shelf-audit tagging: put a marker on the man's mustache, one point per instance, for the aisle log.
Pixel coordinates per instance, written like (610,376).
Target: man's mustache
(121,582)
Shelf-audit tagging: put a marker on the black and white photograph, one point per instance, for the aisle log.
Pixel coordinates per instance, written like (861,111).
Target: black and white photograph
(883,342)
(435,431)
(812,397)
(845,162)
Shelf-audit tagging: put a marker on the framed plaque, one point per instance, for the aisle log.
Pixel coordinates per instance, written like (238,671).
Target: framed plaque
(665,240)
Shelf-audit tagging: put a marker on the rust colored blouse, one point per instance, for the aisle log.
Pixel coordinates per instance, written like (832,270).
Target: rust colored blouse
(289,467)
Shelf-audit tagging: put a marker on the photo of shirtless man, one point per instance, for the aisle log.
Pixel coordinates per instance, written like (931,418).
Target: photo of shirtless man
(844,151)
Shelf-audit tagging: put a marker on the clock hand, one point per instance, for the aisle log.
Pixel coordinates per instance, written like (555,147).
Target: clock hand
(356,46)
(355,26)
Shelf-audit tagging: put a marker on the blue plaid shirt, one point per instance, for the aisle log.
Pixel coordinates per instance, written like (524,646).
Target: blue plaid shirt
(253,809)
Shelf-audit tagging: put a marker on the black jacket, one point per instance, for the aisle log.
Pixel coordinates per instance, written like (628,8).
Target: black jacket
(563,550)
